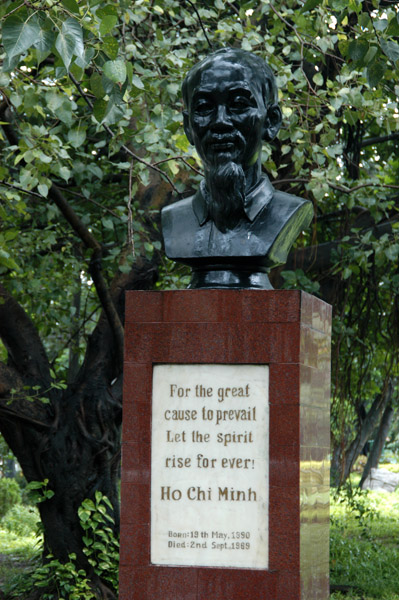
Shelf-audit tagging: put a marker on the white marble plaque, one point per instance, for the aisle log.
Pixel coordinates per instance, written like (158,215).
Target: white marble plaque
(210,466)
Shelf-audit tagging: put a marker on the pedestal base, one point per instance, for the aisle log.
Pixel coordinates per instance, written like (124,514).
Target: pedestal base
(286,334)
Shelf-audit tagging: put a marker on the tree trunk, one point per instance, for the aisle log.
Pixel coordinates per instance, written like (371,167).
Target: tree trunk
(79,454)
(342,462)
(379,442)
(73,440)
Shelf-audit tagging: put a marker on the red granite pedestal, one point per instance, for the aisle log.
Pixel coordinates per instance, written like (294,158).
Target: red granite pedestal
(290,332)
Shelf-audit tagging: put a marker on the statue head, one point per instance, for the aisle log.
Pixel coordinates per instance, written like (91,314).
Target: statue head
(236,226)
(231,107)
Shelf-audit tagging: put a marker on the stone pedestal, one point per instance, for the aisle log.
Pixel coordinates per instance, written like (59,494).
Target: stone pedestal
(260,362)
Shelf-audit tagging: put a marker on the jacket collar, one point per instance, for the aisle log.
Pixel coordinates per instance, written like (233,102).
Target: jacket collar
(255,201)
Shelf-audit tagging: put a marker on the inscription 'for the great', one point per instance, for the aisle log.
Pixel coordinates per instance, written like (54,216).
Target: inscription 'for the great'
(209,464)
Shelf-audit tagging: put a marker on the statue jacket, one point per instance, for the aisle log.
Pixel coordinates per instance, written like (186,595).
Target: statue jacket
(261,240)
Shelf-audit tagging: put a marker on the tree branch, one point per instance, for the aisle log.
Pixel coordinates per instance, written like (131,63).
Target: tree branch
(22,341)
(301,39)
(84,234)
(13,10)
(123,146)
(340,188)
(9,380)
(318,258)
(13,416)
(19,189)
(379,140)
(107,302)
(99,361)
(159,162)
(200,22)
(95,265)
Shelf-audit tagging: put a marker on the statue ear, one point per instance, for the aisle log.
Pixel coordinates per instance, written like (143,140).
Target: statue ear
(187,127)
(272,123)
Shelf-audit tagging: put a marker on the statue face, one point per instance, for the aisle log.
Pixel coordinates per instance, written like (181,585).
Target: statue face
(226,115)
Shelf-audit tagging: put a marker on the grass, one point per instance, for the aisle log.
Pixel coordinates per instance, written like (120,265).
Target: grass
(364,544)
(18,555)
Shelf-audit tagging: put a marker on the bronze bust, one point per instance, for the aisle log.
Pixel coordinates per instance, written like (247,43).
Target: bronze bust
(236,227)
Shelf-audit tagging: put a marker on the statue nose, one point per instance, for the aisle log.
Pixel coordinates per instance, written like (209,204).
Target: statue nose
(222,119)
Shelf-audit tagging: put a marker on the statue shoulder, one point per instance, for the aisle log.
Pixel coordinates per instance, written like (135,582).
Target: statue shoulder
(288,215)
(178,208)
(292,202)
(179,225)
(175,214)
(288,207)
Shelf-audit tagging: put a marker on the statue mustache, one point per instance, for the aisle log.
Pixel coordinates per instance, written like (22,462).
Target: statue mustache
(235,138)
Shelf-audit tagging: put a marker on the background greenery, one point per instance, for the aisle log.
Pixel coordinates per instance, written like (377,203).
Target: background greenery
(92,146)
(364,552)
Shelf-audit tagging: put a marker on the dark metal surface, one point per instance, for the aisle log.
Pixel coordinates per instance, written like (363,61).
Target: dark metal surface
(236,227)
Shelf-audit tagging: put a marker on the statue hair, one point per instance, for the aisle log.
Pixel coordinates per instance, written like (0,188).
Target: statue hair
(247,59)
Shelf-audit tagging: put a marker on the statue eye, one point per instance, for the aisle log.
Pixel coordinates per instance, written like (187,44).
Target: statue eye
(240,103)
(203,106)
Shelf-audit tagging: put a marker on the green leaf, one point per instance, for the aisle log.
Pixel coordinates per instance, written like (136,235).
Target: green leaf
(343,47)
(173,88)
(89,53)
(65,44)
(136,81)
(357,49)
(380,24)
(99,109)
(129,69)
(375,73)
(107,24)
(393,27)
(391,49)
(110,47)
(72,27)
(113,113)
(106,10)
(45,42)
(4,79)
(43,189)
(115,70)
(36,485)
(310,4)
(97,172)
(87,541)
(71,5)
(96,85)
(392,252)
(10,63)
(107,222)
(318,79)
(107,84)
(19,35)
(76,137)
(54,100)
(8,262)
(70,41)
(65,173)
(371,54)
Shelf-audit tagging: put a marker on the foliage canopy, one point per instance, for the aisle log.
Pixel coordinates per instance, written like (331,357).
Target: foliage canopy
(93,145)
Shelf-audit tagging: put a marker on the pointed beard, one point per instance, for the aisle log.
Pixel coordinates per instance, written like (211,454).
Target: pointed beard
(226,184)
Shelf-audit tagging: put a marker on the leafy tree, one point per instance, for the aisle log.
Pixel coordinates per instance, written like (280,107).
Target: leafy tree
(93,146)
